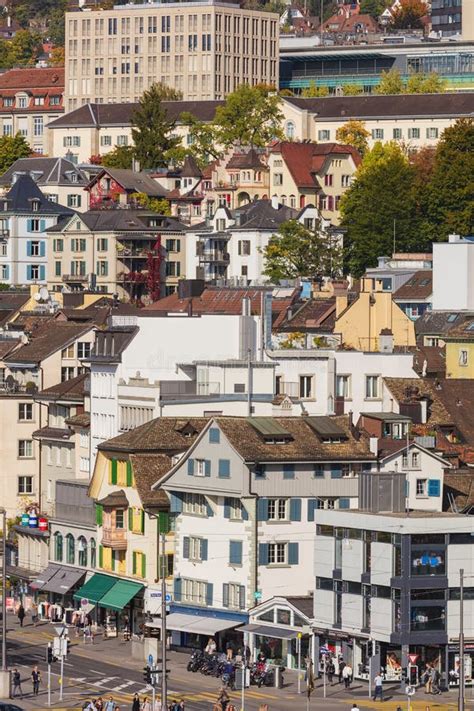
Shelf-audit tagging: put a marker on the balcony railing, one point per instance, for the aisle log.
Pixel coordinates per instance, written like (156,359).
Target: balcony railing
(74,278)
(114,538)
(215,257)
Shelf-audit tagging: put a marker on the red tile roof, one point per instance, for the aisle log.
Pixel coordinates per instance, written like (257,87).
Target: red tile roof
(47,78)
(306,160)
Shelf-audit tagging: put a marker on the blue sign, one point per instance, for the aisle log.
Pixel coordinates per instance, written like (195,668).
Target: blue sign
(150,659)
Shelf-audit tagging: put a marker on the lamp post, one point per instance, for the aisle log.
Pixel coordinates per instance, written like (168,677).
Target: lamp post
(3,512)
(462,682)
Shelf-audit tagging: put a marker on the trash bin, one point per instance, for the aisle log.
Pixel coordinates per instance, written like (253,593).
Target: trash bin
(278,678)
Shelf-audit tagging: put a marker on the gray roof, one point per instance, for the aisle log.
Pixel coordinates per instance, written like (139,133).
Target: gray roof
(386,416)
(257,215)
(437,322)
(45,171)
(133,181)
(22,194)
(124,220)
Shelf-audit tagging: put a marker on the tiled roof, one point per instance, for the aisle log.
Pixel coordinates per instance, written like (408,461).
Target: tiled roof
(23,191)
(437,322)
(400,106)
(83,419)
(304,444)
(148,469)
(459,486)
(56,433)
(49,171)
(341,23)
(190,168)
(33,79)
(8,345)
(412,389)
(101,115)
(419,286)
(304,603)
(433,356)
(164,434)
(124,220)
(261,215)
(314,314)
(306,160)
(73,389)
(463,328)
(132,181)
(48,340)
(250,159)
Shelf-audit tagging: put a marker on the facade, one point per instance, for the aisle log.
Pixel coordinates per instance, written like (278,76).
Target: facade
(29,100)
(59,180)
(205,51)
(393,579)
(113,187)
(453,264)
(447,18)
(27,214)
(415,296)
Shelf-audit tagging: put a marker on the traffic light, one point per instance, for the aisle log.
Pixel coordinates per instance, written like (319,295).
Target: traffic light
(147,674)
(50,658)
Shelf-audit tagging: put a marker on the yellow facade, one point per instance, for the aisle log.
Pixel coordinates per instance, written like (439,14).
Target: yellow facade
(459,360)
(362,323)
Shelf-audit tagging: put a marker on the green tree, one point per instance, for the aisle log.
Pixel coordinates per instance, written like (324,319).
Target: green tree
(152,127)
(296,251)
(57,57)
(352,89)
(354,133)
(426,84)
(391,82)
(379,203)
(24,48)
(373,7)
(119,157)
(314,92)
(450,199)
(12,148)
(203,137)
(251,116)
(159,205)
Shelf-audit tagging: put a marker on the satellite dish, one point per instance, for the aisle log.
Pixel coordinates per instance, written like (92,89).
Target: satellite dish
(44,294)
(37,296)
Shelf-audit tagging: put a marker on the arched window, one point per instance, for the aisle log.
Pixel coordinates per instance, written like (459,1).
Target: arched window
(70,549)
(292,201)
(93,553)
(290,130)
(82,551)
(283,199)
(58,547)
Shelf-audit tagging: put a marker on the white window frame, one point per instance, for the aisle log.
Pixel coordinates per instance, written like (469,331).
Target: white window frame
(234,596)
(372,393)
(463,357)
(421,488)
(278,509)
(347,386)
(25,485)
(304,380)
(278,553)
(27,449)
(195,548)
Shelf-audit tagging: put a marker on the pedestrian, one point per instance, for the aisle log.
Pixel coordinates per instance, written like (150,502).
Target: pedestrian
(21,614)
(428,679)
(347,675)
(378,687)
(229,648)
(211,646)
(136,702)
(223,698)
(181,705)
(109,705)
(92,706)
(34,614)
(434,675)
(342,664)
(330,669)
(17,683)
(146,706)
(99,704)
(36,679)
(355,707)
(247,654)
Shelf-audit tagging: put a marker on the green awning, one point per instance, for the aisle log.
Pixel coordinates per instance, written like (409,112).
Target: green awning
(120,595)
(95,588)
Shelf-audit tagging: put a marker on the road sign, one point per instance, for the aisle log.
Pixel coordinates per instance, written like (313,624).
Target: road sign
(150,659)
(84,602)
(258,594)
(323,650)
(409,690)
(412,658)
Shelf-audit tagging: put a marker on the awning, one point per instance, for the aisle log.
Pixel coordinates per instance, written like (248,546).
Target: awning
(95,588)
(45,576)
(268,631)
(199,624)
(63,580)
(120,595)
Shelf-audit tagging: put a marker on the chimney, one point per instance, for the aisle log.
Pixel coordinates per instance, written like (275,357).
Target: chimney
(386,341)
(367,284)
(424,410)
(246,306)
(374,445)
(454,238)
(275,202)
(341,304)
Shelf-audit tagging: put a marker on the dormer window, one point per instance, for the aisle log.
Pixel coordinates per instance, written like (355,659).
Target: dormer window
(73,177)
(22,102)
(8,101)
(39,101)
(35,205)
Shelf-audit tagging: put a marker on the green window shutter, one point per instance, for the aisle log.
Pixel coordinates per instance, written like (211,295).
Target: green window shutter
(142,522)
(101,556)
(113,471)
(134,563)
(130,519)
(99,511)
(143,565)
(113,560)
(129,474)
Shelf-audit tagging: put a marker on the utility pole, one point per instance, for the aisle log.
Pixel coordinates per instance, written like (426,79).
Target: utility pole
(163,526)
(461,641)
(4,591)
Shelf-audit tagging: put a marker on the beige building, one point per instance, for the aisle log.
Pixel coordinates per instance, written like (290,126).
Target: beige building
(204,49)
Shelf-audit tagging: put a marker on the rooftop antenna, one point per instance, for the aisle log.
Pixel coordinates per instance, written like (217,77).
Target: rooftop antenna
(394,236)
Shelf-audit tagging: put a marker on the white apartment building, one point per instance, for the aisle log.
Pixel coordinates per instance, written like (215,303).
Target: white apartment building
(204,49)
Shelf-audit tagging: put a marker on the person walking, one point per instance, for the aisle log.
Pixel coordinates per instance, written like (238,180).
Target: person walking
(378,687)
(355,707)
(136,702)
(109,704)
(36,679)
(330,669)
(342,664)
(21,614)
(146,706)
(428,679)
(347,675)
(223,698)
(34,614)
(17,684)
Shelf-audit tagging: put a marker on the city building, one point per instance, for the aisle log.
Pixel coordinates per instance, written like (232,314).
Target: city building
(59,180)
(26,215)
(118,187)
(205,50)
(453,264)
(414,297)
(29,100)
(393,272)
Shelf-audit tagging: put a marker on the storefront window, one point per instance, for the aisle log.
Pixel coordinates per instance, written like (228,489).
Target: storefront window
(424,618)
(427,539)
(270,647)
(298,621)
(58,547)
(425,561)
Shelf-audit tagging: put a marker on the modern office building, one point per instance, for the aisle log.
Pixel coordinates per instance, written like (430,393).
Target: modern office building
(205,49)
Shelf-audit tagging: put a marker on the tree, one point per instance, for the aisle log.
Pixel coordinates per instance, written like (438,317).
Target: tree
(379,203)
(354,133)
(352,89)
(251,116)
(203,138)
(12,148)
(407,16)
(450,199)
(119,157)
(313,92)
(152,128)
(390,83)
(296,251)
(373,7)
(24,48)
(57,57)
(159,205)
(426,84)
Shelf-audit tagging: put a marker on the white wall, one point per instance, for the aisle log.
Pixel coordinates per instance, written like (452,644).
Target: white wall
(321,365)
(381,618)
(381,563)
(351,611)
(352,556)
(430,468)
(324,607)
(324,552)
(453,276)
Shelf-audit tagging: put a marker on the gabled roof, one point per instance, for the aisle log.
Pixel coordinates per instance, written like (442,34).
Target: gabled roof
(47,340)
(305,161)
(250,159)
(125,221)
(190,168)
(261,215)
(33,79)
(314,314)
(101,115)
(69,390)
(132,181)
(438,322)
(22,194)
(419,286)
(165,434)
(49,171)
(149,469)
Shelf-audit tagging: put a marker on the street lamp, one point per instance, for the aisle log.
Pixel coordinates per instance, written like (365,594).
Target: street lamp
(3,512)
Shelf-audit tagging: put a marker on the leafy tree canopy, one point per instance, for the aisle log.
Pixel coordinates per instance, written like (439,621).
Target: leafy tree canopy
(407,16)
(159,205)
(373,7)
(354,133)
(12,148)
(152,128)
(313,91)
(391,82)
(296,251)
(119,157)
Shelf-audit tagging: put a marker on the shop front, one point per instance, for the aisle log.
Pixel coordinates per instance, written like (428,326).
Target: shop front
(117,603)
(191,627)
(54,588)
(279,629)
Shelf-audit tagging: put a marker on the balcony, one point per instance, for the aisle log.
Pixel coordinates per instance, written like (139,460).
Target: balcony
(214,257)
(74,278)
(114,538)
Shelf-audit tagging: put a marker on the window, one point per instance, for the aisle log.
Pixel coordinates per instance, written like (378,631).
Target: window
(34,249)
(413,133)
(324,135)
(67,373)
(278,509)
(343,386)
(345,181)
(83,350)
(58,269)
(432,133)
(58,245)
(195,548)
(82,551)
(25,448)
(290,130)
(122,140)
(278,179)
(288,471)
(214,435)
(415,460)
(38,126)
(70,549)
(25,484)
(397,134)
(234,596)
(421,487)
(119,519)
(371,386)
(22,102)
(102,268)
(193,591)
(328,179)
(319,470)
(463,357)
(235,509)
(224,469)
(277,553)
(68,352)
(106,140)
(194,504)
(93,553)
(244,247)
(74,200)
(377,134)
(34,225)
(306,386)
(58,547)
(25,411)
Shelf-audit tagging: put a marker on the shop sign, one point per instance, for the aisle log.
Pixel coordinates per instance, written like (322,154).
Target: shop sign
(152,599)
